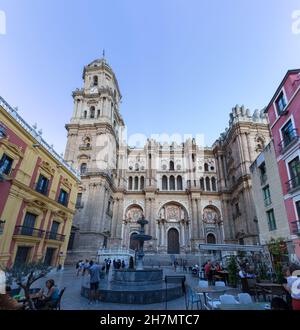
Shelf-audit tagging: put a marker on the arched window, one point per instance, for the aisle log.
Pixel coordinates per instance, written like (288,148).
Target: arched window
(136,183)
(207,183)
(95,81)
(164,183)
(130,183)
(136,166)
(142,183)
(172,182)
(171,165)
(98,113)
(206,167)
(84,114)
(211,239)
(202,184)
(83,168)
(179,182)
(213,184)
(92,112)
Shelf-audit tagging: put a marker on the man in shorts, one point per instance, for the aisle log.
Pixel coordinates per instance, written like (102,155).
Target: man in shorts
(94,271)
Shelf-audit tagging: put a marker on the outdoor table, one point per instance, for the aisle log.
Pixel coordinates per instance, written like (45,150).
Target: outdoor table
(210,289)
(224,275)
(269,285)
(253,306)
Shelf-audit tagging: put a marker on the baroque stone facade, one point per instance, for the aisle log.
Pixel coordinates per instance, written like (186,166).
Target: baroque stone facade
(190,194)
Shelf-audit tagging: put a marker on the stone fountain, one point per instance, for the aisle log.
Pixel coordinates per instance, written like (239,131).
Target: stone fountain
(140,285)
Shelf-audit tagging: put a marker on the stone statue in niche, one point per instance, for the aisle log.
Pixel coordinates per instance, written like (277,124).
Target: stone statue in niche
(162,213)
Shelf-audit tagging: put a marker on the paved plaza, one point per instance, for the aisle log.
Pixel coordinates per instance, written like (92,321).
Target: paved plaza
(73,300)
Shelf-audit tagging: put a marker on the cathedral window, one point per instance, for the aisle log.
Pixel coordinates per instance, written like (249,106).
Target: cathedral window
(213,184)
(206,167)
(207,182)
(83,168)
(179,182)
(142,183)
(171,165)
(84,114)
(130,183)
(98,113)
(202,184)
(164,183)
(172,182)
(136,183)
(92,112)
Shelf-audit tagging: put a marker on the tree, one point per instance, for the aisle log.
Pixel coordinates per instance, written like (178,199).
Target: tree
(278,250)
(25,275)
(232,270)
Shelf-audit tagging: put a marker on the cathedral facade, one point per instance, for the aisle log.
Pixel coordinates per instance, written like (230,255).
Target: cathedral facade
(189,193)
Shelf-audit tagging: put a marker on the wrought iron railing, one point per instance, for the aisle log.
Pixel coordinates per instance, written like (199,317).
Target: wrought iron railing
(295,227)
(288,140)
(263,178)
(55,236)
(28,231)
(267,201)
(293,184)
(37,136)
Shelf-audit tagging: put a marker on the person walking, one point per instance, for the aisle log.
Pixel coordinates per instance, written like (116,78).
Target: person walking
(94,271)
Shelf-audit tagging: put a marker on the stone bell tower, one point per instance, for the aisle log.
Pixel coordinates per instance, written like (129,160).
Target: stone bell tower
(92,147)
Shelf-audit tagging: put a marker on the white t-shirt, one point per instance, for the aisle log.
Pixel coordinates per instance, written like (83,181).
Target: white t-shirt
(295,289)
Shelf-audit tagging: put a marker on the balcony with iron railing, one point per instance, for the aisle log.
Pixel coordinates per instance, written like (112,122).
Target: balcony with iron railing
(267,201)
(293,184)
(288,141)
(263,178)
(28,231)
(295,227)
(55,236)
(79,205)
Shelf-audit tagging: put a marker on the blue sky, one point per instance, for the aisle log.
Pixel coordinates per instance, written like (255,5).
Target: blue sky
(181,64)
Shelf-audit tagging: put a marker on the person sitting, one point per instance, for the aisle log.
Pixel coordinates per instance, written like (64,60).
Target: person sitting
(47,300)
(9,303)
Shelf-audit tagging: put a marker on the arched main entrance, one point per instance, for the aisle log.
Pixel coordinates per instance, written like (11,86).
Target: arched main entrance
(134,244)
(173,241)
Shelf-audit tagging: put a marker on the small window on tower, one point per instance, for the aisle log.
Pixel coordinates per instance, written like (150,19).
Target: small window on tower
(95,81)
(98,113)
(92,112)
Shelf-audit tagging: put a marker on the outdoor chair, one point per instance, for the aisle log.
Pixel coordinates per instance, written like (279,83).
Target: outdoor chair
(249,286)
(57,305)
(245,298)
(228,299)
(203,284)
(193,298)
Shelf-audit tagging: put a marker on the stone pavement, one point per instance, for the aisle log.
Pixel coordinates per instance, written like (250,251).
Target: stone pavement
(72,299)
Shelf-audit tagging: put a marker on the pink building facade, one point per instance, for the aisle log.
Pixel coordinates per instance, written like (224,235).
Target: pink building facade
(284,118)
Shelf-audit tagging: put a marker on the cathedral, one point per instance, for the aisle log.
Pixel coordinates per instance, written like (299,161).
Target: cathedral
(190,194)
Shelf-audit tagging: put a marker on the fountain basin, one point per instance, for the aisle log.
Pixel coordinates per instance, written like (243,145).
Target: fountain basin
(137,277)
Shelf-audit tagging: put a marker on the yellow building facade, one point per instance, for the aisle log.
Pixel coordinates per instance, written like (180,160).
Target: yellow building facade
(38,192)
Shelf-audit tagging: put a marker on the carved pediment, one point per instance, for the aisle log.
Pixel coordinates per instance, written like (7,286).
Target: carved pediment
(47,167)
(35,203)
(67,183)
(13,148)
(59,214)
